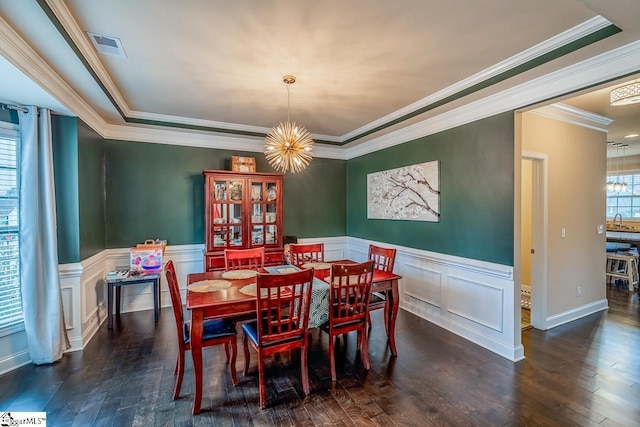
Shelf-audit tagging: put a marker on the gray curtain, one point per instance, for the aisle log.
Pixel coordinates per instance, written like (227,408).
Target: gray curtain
(41,295)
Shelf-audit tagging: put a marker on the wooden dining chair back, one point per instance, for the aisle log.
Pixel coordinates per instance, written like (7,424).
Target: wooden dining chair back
(215,332)
(383,259)
(349,290)
(241,259)
(303,253)
(282,323)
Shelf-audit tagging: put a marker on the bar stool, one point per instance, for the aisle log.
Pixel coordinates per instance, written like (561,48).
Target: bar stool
(623,266)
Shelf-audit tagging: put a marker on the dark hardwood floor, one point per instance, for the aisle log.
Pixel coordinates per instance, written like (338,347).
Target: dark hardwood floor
(584,373)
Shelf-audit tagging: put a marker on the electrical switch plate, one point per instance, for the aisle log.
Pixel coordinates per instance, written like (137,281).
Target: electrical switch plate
(600,229)
(564,232)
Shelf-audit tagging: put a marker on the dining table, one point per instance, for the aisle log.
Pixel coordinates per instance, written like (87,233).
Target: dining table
(235,302)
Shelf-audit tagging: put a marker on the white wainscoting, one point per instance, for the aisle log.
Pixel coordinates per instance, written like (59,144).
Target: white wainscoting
(471,298)
(474,299)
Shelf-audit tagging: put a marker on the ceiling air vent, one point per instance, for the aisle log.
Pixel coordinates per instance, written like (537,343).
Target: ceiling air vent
(107,45)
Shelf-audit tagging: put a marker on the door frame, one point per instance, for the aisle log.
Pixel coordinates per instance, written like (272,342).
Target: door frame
(539,233)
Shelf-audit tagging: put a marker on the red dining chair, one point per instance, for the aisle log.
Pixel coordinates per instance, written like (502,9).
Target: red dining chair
(348,307)
(383,259)
(250,259)
(216,331)
(283,302)
(303,253)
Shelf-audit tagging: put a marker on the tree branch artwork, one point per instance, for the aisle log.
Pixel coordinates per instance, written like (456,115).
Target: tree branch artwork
(407,193)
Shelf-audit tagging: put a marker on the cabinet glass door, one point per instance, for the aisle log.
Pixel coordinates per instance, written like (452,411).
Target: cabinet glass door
(227,214)
(264,198)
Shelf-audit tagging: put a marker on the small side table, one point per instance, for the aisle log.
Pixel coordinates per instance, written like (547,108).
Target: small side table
(118,282)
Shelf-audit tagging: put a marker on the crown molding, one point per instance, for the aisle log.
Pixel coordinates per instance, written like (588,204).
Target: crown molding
(607,66)
(575,116)
(154,117)
(17,51)
(549,45)
(205,140)
(88,52)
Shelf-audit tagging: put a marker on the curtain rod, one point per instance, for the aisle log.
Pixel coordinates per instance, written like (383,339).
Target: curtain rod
(14,107)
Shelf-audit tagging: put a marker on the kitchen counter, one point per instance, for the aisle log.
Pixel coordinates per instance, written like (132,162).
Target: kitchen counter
(626,235)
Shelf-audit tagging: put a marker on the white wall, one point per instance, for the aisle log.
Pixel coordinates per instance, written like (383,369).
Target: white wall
(576,202)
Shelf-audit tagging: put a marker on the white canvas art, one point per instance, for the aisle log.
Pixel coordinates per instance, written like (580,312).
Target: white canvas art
(407,193)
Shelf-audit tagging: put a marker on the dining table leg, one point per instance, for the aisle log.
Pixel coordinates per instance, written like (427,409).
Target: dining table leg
(110,287)
(156,298)
(197,322)
(393,298)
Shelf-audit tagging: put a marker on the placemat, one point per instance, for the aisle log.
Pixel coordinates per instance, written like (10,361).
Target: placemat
(251,290)
(239,274)
(317,265)
(209,285)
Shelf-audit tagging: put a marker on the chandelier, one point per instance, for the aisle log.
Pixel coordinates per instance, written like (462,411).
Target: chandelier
(288,146)
(617,186)
(624,95)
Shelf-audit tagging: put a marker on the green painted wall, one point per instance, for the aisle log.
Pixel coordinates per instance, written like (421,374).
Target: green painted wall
(91,189)
(476,184)
(157,191)
(64,136)
(315,200)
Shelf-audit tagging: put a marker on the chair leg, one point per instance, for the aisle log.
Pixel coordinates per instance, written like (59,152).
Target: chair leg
(247,356)
(369,320)
(262,384)
(364,348)
(232,364)
(180,369)
(226,350)
(332,357)
(304,371)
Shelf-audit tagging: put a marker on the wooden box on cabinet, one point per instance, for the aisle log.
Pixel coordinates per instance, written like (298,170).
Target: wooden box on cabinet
(242,211)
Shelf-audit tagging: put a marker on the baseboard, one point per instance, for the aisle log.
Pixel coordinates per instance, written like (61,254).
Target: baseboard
(576,313)
(14,361)
(514,353)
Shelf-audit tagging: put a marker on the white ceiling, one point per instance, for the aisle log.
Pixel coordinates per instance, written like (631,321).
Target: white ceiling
(360,64)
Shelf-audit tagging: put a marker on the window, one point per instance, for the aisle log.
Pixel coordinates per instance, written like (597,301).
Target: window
(626,203)
(10,302)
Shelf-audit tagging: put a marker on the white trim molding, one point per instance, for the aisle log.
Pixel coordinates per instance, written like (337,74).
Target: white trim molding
(577,313)
(607,66)
(575,116)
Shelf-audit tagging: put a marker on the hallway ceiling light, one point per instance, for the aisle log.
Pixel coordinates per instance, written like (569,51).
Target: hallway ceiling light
(625,95)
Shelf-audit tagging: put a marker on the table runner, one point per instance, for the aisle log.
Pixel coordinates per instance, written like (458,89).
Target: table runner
(319,308)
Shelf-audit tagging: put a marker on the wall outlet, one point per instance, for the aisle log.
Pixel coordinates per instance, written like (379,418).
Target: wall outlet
(564,232)
(578,291)
(600,229)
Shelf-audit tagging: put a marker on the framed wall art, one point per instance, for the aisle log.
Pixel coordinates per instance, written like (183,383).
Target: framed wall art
(408,193)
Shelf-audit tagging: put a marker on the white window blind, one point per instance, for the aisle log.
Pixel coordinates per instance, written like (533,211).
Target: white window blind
(10,301)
